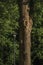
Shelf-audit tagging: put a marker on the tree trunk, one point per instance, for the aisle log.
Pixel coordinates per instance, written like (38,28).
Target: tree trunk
(25,34)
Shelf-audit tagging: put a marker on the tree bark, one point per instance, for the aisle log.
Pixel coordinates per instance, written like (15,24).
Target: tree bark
(25,34)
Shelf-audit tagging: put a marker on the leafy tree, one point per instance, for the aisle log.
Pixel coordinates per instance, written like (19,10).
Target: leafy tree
(37,33)
(9,15)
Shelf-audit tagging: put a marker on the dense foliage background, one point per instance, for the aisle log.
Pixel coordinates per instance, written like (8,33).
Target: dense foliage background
(37,33)
(9,16)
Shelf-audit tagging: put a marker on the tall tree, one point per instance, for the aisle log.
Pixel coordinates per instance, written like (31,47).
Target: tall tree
(25,33)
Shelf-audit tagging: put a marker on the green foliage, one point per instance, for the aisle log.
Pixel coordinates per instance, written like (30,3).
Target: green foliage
(9,16)
(37,33)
